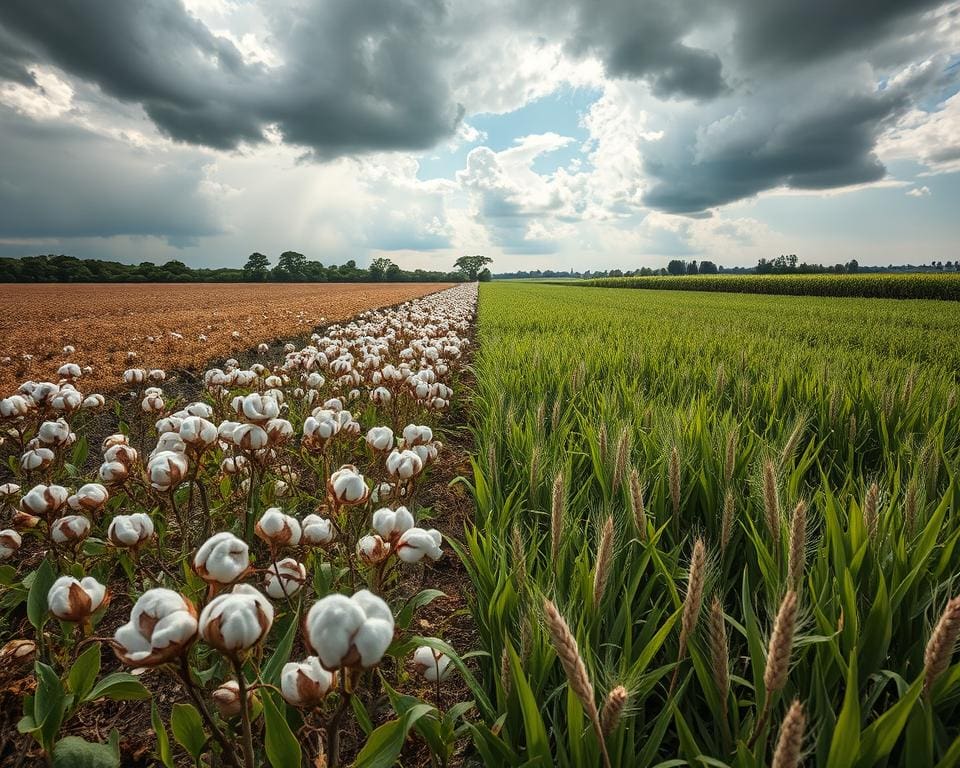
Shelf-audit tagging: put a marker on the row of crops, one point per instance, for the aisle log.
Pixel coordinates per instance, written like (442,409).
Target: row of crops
(715,529)
(941,285)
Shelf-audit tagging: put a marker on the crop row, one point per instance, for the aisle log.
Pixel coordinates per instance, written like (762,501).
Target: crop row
(945,286)
(258,554)
(716,529)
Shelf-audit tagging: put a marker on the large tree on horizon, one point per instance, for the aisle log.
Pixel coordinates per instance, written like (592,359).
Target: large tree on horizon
(471,265)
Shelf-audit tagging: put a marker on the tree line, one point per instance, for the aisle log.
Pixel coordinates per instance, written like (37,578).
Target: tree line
(290,267)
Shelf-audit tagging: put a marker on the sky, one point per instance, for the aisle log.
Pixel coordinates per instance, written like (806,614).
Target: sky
(563,134)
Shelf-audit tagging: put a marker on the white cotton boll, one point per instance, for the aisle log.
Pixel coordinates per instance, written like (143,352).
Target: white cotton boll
(162,624)
(432,664)
(390,523)
(278,529)
(404,465)
(14,407)
(263,348)
(54,432)
(113,472)
(203,410)
(380,439)
(279,430)
(317,530)
(10,542)
(233,465)
(89,497)
(380,396)
(69,529)
(156,374)
(226,430)
(44,500)
(260,408)
(130,530)
(92,402)
(334,404)
(167,470)
(291,578)
(236,620)
(306,684)
(372,549)
(9,490)
(169,441)
(414,434)
(417,543)
(349,631)
(226,698)
(75,600)
(250,437)
(222,559)
(37,458)
(196,431)
(168,424)
(152,403)
(347,485)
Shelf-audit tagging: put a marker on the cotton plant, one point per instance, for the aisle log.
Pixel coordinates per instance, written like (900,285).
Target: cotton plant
(235,519)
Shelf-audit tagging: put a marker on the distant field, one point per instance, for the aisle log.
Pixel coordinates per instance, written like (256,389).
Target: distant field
(105,321)
(944,286)
(737,502)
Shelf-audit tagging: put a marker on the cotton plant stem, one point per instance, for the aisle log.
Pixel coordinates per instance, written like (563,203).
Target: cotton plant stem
(229,753)
(244,715)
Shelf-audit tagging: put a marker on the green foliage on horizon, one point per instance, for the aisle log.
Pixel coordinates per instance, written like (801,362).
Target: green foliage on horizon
(291,267)
(941,285)
(838,395)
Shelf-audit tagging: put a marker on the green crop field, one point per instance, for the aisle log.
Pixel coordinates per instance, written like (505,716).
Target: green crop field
(745,509)
(943,285)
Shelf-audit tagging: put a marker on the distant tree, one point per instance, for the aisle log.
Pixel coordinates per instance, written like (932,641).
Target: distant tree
(708,268)
(291,267)
(393,272)
(676,267)
(616,273)
(484,275)
(378,269)
(256,267)
(471,265)
(692,268)
(852,266)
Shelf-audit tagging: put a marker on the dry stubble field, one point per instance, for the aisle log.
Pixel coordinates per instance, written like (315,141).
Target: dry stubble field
(163,323)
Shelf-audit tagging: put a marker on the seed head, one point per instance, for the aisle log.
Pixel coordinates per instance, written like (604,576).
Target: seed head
(719,651)
(622,458)
(798,542)
(604,561)
(870,510)
(612,709)
(781,644)
(726,523)
(694,597)
(942,644)
(730,456)
(636,504)
(557,512)
(790,741)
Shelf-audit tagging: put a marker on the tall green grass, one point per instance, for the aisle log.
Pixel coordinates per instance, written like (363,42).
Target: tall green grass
(731,416)
(944,285)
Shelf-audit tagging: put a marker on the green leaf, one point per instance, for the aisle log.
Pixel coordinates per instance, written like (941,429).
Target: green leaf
(74,752)
(273,667)
(385,743)
(846,735)
(879,739)
(422,598)
(84,672)
(281,745)
(187,727)
(163,741)
(119,686)
(538,743)
(49,704)
(37,608)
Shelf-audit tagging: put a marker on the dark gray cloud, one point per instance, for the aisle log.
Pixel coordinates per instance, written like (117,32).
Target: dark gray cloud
(799,31)
(777,138)
(356,76)
(62,181)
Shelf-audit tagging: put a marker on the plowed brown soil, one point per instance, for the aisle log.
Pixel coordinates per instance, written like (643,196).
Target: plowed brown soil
(105,321)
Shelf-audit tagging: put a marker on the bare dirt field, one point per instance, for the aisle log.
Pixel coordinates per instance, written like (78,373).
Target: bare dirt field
(163,323)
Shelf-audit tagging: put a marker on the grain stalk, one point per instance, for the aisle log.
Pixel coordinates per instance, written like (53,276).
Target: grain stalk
(568,652)
(696,578)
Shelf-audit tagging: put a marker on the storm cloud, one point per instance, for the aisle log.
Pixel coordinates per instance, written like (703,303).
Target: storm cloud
(355,76)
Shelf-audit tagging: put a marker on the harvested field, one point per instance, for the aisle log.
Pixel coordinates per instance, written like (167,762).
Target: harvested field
(163,323)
